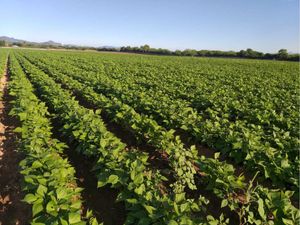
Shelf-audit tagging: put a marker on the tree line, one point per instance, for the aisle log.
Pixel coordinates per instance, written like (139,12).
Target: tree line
(282,54)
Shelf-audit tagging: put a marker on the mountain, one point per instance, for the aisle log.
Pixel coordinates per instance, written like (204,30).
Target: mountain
(11,40)
(52,43)
(14,40)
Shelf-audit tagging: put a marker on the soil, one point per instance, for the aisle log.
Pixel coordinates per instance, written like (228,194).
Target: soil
(101,200)
(12,209)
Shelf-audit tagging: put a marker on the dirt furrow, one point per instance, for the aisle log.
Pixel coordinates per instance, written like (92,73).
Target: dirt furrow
(102,201)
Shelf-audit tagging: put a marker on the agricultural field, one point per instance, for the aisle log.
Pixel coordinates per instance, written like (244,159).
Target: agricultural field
(142,139)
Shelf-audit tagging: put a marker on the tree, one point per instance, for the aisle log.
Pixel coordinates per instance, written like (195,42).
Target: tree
(202,53)
(145,48)
(242,53)
(293,57)
(282,54)
(2,43)
(136,49)
(189,52)
(250,53)
(177,52)
(269,56)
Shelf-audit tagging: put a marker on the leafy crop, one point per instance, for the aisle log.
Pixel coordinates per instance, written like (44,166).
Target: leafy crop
(252,119)
(147,105)
(141,187)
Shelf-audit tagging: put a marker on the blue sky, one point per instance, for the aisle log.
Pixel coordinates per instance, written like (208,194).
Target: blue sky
(264,25)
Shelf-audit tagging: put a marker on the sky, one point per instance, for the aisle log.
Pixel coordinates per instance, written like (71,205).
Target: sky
(263,25)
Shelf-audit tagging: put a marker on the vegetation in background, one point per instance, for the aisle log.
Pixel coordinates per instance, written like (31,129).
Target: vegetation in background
(248,53)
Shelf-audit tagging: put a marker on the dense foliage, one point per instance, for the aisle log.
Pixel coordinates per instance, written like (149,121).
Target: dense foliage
(248,53)
(248,118)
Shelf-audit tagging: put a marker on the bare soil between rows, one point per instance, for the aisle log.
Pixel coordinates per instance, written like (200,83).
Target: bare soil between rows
(12,209)
(102,201)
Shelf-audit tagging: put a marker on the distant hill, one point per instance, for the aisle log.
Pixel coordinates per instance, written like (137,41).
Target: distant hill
(14,40)
(51,43)
(11,40)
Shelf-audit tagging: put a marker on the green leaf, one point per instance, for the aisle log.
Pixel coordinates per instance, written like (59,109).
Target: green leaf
(195,207)
(179,197)
(18,130)
(22,116)
(287,221)
(285,163)
(63,222)
(144,158)
(139,179)
(140,189)
(289,194)
(36,164)
(50,207)
(184,207)
(61,193)
(184,127)
(149,209)
(74,218)
(132,200)
(101,184)
(261,210)
(179,172)
(176,208)
(224,203)
(172,222)
(30,198)
(103,143)
(41,190)
(217,155)
(36,208)
(80,223)
(76,205)
(113,179)
(212,220)
(89,213)
(237,145)
(94,221)
(64,206)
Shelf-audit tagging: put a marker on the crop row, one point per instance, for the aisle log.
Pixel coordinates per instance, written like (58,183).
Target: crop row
(3,60)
